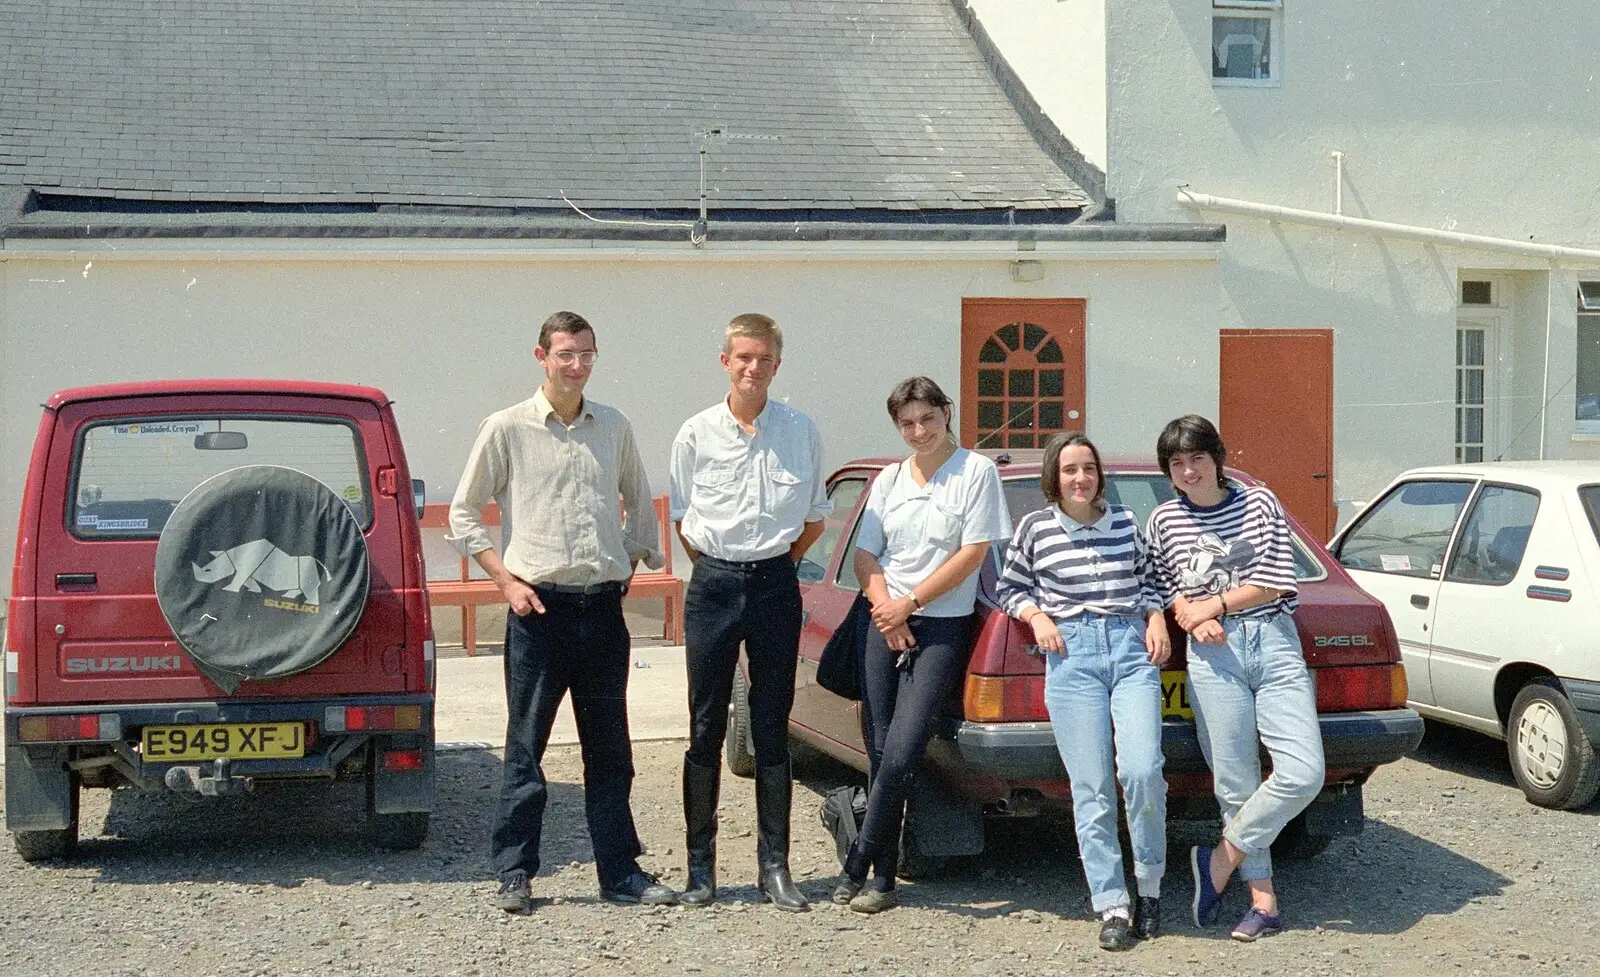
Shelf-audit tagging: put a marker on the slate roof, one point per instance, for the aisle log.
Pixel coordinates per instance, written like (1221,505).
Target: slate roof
(839,109)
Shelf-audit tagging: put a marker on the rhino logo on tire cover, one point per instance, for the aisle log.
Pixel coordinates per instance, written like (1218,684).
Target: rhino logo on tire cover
(260,564)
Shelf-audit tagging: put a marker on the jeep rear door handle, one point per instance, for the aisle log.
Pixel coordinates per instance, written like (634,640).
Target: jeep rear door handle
(1419,601)
(76,580)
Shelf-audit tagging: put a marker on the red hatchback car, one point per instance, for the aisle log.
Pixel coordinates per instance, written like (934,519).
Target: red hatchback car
(996,754)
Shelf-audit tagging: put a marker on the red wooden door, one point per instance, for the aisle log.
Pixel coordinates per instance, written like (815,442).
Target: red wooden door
(1022,370)
(1277,416)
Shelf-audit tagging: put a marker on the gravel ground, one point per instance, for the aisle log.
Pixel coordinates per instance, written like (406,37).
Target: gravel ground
(1455,874)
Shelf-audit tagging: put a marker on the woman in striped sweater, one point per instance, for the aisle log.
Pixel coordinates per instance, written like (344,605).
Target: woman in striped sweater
(1225,558)
(1078,573)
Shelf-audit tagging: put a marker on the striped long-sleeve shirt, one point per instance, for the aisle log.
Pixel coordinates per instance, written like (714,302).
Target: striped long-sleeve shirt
(1202,551)
(1065,568)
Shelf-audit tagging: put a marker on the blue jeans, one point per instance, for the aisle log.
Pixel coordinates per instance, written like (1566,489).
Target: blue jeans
(1105,691)
(1257,687)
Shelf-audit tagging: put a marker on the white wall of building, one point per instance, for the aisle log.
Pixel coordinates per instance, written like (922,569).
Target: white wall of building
(447,332)
(1058,49)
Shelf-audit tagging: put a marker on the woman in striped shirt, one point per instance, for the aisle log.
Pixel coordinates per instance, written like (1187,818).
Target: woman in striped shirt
(1078,574)
(1225,558)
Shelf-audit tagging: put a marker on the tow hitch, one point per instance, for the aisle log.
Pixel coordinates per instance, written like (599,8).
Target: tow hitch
(220,782)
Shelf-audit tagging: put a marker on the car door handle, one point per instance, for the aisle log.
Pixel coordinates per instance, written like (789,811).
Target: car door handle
(76,580)
(1319,475)
(1419,601)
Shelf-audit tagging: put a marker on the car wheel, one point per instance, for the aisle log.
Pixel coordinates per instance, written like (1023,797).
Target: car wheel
(738,747)
(1296,844)
(41,846)
(914,866)
(1551,757)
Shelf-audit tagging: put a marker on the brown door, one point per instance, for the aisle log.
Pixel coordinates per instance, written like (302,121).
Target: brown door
(1277,416)
(1021,370)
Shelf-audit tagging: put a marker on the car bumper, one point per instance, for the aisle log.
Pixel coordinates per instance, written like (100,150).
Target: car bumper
(1585,699)
(1027,751)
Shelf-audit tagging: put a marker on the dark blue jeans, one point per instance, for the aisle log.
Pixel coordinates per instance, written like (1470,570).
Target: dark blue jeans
(726,604)
(580,644)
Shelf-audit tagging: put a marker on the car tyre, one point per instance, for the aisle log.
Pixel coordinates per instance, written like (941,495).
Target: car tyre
(1297,844)
(62,843)
(1551,757)
(914,866)
(738,747)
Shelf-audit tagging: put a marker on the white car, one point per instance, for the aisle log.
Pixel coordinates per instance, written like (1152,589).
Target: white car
(1491,573)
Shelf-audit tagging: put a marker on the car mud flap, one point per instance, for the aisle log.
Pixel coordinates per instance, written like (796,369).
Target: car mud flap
(943,824)
(400,791)
(38,788)
(1337,811)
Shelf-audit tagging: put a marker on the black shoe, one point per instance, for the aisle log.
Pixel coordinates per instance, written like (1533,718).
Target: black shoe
(1116,932)
(774,794)
(700,789)
(514,896)
(639,887)
(1147,917)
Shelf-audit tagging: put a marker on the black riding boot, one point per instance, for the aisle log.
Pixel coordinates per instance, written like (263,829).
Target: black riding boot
(774,794)
(700,788)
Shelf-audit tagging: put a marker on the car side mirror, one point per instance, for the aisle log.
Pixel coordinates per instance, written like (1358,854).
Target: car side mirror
(221,441)
(419,496)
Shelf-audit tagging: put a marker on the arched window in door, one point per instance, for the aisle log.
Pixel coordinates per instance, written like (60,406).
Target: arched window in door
(1022,370)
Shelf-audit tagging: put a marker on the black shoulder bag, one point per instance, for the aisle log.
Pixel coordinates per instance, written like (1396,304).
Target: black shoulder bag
(839,670)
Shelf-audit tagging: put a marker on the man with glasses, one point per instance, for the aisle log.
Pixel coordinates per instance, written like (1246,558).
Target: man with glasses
(748,499)
(558,464)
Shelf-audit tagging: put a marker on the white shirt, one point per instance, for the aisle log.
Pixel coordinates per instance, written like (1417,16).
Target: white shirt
(911,530)
(747,496)
(559,488)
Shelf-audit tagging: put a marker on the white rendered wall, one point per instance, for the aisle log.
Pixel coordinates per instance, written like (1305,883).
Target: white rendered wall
(1058,49)
(1479,121)
(449,338)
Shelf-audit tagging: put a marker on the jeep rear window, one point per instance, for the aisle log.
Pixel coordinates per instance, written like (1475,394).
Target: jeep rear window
(132,473)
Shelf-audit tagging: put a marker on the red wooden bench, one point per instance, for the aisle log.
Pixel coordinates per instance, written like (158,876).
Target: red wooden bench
(469,594)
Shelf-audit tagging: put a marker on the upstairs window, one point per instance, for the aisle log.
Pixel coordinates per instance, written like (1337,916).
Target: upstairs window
(1246,42)
(1587,381)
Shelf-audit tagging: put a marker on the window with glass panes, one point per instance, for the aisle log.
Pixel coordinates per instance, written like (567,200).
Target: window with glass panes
(1471,366)
(1021,387)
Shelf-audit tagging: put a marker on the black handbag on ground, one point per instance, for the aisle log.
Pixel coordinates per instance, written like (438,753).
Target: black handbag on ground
(839,669)
(843,810)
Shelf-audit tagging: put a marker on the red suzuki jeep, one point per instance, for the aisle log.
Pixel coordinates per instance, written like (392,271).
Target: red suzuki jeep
(217,582)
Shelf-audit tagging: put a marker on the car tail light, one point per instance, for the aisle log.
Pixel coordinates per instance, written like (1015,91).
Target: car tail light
(101,728)
(402,761)
(356,719)
(1354,687)
(1005,699)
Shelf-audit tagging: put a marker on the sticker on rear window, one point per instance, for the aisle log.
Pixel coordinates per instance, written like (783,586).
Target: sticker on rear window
(1394,563)
(90,521)
(352,493)
(163,429)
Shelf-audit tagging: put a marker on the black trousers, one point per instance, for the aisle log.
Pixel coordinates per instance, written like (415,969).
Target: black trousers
(579,644)
(900,711)
(728,603)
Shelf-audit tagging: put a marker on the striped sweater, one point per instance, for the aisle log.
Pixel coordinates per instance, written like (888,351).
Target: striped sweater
(1065,568)
(1202,551)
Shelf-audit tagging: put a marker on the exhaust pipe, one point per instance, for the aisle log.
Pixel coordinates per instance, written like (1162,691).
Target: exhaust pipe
(1020,803)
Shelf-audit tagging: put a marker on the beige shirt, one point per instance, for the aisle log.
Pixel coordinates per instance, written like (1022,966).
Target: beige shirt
(747,496)
(558,487)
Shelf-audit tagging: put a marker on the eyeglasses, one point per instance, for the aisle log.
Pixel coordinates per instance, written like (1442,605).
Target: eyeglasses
(568,358)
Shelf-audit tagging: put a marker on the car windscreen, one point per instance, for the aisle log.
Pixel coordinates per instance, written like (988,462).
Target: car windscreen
(1590,496)
(1139,492)
(130,474)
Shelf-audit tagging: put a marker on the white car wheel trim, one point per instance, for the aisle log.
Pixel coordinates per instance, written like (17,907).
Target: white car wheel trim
(1542,744)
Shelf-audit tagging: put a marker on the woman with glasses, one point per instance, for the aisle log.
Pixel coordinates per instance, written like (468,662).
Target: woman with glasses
(1079,574)
(926,528)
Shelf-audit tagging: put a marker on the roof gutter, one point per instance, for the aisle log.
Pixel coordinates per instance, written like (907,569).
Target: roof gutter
(1410,232)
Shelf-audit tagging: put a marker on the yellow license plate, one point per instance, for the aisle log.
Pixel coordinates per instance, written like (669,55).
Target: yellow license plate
(234,741)
(1175,696)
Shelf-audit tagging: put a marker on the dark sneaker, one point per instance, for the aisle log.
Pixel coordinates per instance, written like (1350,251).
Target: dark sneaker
(1257,924)
(1116,932)
(1207,901)
(514,895)
(1147,917)
(639,887)
(874,901)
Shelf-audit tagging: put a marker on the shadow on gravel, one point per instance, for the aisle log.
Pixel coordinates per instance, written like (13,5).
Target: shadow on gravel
(1465,752)
(1384,880)
(285,834)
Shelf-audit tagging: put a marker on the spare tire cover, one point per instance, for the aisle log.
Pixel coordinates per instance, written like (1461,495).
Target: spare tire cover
(261,572)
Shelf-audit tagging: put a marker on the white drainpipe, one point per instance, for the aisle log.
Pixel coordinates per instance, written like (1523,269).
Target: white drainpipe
(1312,218)
(1337,221)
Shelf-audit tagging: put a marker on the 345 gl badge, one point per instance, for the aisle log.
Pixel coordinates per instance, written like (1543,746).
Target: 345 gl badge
(233,741)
